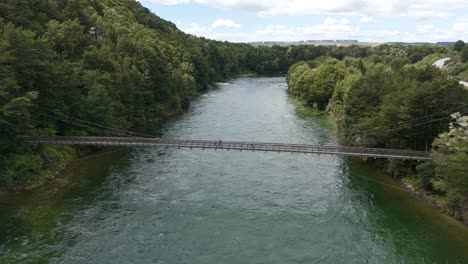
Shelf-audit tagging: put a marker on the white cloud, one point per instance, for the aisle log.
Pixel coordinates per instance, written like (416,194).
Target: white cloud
(461,25)
(366,8)
(198,30)
(209,32)
(366,20)
(330,21)
(331,28)
(225,23)
(429,28)
(167,2)
(333,21)
(345,19)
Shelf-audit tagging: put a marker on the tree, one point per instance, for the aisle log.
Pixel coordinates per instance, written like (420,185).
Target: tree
(458,46)
(464,54)
(362,103)
(15,116)
(67,38)
(450,155)
(324,85)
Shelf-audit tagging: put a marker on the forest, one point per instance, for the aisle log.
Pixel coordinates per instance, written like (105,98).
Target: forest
(85,67)
(80,67)
(393,101)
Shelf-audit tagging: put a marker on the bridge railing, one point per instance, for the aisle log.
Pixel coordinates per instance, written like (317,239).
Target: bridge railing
(235,145)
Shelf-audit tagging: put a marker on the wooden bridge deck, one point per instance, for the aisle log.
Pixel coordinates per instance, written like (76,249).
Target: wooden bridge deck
(234,145)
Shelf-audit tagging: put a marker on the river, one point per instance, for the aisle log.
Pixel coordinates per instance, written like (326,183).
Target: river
(194,206)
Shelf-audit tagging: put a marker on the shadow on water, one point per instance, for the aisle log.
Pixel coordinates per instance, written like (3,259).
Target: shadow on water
(320,128)
(417,232)
(34,224)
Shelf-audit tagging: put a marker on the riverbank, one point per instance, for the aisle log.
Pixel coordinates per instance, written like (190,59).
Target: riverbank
(194,206)
(437,201)
(409,183)
(58,158)
(380,104)
(50,161)
(301,109)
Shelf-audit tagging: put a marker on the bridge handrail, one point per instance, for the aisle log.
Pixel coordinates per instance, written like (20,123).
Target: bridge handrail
(260,146)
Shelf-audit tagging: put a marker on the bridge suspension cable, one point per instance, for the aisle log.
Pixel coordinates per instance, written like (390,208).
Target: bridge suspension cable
(419,124)
(98,125)
(234,145)
(77,124)
(401,124)
(379,182)
(100,154)
(119,132)
(111,130)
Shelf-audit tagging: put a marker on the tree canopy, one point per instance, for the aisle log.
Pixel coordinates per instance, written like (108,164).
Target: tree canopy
(388,102)
(94,67)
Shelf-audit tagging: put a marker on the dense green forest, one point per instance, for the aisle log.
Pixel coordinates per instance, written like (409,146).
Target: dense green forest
(458,63)
(89,67)
(396,102)
(100,67)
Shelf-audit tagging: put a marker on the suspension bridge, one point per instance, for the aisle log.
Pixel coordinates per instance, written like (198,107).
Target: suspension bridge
(132,139)
(399,154)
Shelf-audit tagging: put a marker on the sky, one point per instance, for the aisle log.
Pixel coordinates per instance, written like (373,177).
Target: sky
(296,20)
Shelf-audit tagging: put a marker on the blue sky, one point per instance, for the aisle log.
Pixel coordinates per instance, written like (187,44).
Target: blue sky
(293,20)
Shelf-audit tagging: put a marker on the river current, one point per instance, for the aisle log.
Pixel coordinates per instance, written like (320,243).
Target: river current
(152,205)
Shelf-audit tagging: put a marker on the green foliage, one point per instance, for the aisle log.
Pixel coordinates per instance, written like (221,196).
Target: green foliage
(324,85)
(368,98)
(450,154)
(385,98)
(454,204)
(314,86)
(68,39)
(30,167)
(430,59)
(114,63)
(464,54)
(426,175)
(15,117)
(385,101)
(456,69)
(464,74)
(110,62)
(20,168)
(458,46)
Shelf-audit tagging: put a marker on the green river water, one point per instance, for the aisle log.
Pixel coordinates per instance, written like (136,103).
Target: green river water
(153,205)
